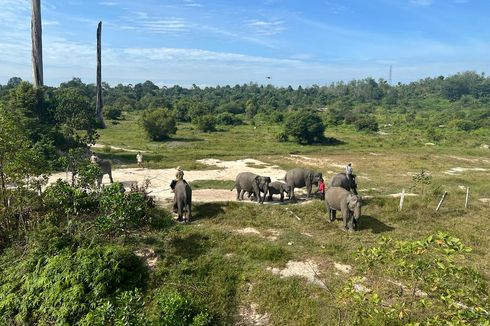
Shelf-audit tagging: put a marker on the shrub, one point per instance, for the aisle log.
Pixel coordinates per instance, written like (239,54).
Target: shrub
(206,123)
(173,308)
(112,112)
(305,126)
(228,119)
(121,211)
(366,123)
(69,286)
(60,197)
(159,124)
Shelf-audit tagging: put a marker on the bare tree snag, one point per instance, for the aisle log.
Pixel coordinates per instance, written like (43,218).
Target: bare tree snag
(37,44)
(98,105)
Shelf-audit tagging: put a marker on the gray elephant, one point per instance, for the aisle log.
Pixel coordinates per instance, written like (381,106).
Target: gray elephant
(251,183)
(105,168)
(337,198)
(342,180)
(183,200)
(280,188)
(298,178)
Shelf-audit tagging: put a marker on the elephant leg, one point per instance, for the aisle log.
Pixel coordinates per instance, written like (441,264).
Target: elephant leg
(270,197)
(308,190)
(292,192)
(333,215)
(180,210)
(110,177)
(282,196)
(238,190)
(348,220)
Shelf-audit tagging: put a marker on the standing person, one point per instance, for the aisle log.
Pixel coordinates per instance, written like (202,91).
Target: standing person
(94,158)
(180,174)
(321,188)
(348,170)
(139,159)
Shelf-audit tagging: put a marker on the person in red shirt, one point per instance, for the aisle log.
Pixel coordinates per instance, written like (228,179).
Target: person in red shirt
(321,189)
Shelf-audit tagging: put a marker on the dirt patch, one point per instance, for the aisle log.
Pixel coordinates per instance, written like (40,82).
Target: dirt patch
(249,316)
(148,255)
(343,268)
(398,195)
(484,200)
(305,269)
(458,170)
(317,162)
(269,234)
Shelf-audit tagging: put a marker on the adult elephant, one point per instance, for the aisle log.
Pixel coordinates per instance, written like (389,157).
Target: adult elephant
(337,198)
(279,188)
(344,181)
(183,201)
(299,178)
(105,168)
(251,183)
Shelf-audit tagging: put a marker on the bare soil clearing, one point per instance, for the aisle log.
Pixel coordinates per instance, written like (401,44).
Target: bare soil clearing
(306,269)
(161,178)
(118,148)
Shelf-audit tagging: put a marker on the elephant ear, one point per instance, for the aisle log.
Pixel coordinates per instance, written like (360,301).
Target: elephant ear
(257,180)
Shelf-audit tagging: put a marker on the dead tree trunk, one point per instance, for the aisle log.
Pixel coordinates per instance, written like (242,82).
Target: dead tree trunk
(37,44)
(98,105)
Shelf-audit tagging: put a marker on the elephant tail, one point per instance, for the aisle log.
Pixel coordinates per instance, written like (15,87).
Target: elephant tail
(234,186)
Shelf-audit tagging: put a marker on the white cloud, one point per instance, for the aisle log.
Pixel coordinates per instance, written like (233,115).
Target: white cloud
(421,3)
(109,3)
(192,3)
(266,27)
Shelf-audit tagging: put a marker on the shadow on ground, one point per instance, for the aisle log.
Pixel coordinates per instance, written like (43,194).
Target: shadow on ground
(207,210)
(367,222)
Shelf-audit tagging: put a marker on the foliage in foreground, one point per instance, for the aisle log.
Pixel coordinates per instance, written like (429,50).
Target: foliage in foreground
(423,282)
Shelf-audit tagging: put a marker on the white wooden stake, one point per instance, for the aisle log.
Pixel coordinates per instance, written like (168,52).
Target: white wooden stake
(402,197)
(467,197)
(442,200)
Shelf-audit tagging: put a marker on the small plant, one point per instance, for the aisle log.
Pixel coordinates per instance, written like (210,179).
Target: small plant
(425,282)
(206,123)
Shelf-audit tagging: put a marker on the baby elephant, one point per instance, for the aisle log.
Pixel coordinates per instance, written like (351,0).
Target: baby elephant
(280,188)
(183,201)
(337,198)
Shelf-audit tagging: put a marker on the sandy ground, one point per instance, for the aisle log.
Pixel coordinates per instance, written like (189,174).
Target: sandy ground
(161,178)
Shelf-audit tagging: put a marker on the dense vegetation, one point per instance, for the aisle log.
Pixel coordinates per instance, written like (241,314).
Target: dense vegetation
(73,254)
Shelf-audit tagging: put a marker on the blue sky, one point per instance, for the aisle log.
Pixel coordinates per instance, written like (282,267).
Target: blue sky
(218,42)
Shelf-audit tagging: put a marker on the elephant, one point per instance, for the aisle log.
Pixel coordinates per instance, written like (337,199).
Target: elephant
(342,180)
(280,188)
(183,200)
(251,183)
(298,178)
(337,198)
(105,168)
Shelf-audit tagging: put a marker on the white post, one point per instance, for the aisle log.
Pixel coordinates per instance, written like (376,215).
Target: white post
(467,197)
(441,201)
(402,197)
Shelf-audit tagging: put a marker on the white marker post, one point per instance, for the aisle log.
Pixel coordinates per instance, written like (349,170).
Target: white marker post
(442,200)
(402,197)
(467,197)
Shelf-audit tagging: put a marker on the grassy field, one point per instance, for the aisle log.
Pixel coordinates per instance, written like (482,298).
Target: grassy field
(227,253)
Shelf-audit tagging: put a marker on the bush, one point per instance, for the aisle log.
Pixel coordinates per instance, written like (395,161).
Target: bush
(112,112)
(228,119)
(206,123)
(121,211)
(60,197)
(173,308)
(305,126)
(366,123)
(159,124)
(69,286)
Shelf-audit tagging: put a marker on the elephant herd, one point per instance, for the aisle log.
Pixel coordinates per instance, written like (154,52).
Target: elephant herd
(341,194)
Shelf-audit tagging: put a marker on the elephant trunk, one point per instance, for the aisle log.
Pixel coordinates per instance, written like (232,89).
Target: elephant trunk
(357,211)
(266,191)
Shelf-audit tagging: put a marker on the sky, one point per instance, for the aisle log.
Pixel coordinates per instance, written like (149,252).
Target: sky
(218,42)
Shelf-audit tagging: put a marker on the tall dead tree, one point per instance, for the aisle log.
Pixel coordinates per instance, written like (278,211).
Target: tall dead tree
(37,44)
(98,105)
